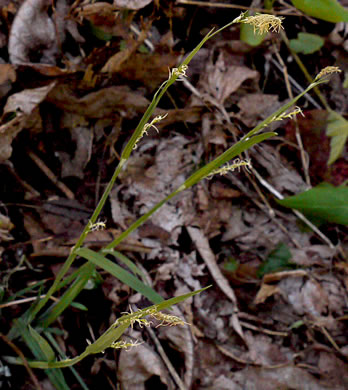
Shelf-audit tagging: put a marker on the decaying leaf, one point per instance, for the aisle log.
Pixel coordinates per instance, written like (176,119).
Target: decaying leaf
(208,256)
(5,227)
(37,37)
(281,176)
(103,103)
(138,365)
(252,378)
(265,292)
(32,29)
(75,166)
(224,77)
(152,178)
(23,105)
(7,78)
(255,107)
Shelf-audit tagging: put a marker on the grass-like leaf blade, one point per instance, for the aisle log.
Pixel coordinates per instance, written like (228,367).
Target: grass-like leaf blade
(119,273)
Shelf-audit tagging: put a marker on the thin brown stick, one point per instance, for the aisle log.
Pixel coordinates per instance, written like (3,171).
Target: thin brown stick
(37,160)
(263,330)
(24,360)
(24,300)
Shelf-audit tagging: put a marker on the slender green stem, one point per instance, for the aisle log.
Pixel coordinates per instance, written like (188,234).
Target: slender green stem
(63,356)
(233,151)
(140,221)
(305,72)
(79,243)
(173,76)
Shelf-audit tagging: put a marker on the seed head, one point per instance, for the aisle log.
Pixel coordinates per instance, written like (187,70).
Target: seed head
(264,22)
(327,71)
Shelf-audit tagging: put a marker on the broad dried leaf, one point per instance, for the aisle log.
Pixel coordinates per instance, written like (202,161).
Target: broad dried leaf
(138,365)
(24,105)
(83,138)
(224,78)
(305,297)
(5,227)
(100,104)
(26,101)
(33,32)
(7,77)
(151,178)
(265,292)
(256,106)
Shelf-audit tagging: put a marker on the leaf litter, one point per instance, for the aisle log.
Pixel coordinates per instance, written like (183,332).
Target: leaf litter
(286,330)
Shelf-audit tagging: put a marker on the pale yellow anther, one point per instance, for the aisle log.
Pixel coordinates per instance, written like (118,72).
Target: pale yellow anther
(147,126)
(236,164)
(327,71)
(263,23)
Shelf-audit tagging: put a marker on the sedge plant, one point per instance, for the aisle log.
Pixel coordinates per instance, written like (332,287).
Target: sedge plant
(35,319)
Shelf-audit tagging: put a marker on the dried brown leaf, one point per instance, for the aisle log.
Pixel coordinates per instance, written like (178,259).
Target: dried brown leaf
(5,227)
(33,32)
(83,138)
(224,78)
(138,365)
(24,104)
(305,297)
(7,77)
(265,292)
(208,256)
(255,107)
(289,377)
(100,104)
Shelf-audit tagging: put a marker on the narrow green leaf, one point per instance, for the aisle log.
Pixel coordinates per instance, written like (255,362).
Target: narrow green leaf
(63,356)
(124,259)
(68,297)
(329,10)
(56,377)
(306,43)
(44,346)
(229,154)
(79,306)
(119,273)
(324,202)
(337,129)
(113,333)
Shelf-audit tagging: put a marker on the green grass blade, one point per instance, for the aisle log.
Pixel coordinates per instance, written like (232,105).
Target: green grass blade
(119,273)
(55,376)
(229,154)
(114,332)
(70,294)
(43,344)
(63,356)
(281,110)
(129,263)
